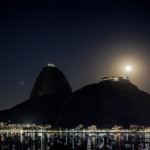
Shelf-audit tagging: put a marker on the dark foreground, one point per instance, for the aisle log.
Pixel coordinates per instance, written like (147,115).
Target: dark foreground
(75,141)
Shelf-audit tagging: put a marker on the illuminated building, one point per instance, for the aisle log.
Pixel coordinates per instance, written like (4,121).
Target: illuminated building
(115,78)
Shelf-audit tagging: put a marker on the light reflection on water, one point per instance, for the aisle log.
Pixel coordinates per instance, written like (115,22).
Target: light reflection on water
(75,141)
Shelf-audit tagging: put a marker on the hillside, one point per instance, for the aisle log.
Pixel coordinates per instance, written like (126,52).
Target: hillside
(103,103)
(109,102)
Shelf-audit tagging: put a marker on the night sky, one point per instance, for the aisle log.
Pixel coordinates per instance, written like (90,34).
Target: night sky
(86,41)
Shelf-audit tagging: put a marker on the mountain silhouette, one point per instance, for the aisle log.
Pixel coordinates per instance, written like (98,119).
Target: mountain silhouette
(108,103)
(48,97)
(49,82)
(113,101)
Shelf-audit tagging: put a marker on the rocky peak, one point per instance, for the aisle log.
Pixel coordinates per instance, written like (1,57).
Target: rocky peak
(51,81)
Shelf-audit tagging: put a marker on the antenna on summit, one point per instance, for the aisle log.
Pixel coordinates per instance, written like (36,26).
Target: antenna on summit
(50,65)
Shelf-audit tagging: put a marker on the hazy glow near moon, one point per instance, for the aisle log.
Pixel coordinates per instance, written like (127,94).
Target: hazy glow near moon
(128,68)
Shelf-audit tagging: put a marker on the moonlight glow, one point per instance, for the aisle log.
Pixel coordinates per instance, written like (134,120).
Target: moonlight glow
(128,68)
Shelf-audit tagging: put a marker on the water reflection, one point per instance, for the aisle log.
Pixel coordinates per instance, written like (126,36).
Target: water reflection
(74,141)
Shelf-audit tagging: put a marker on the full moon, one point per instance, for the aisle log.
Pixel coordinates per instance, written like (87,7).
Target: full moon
(128,68)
